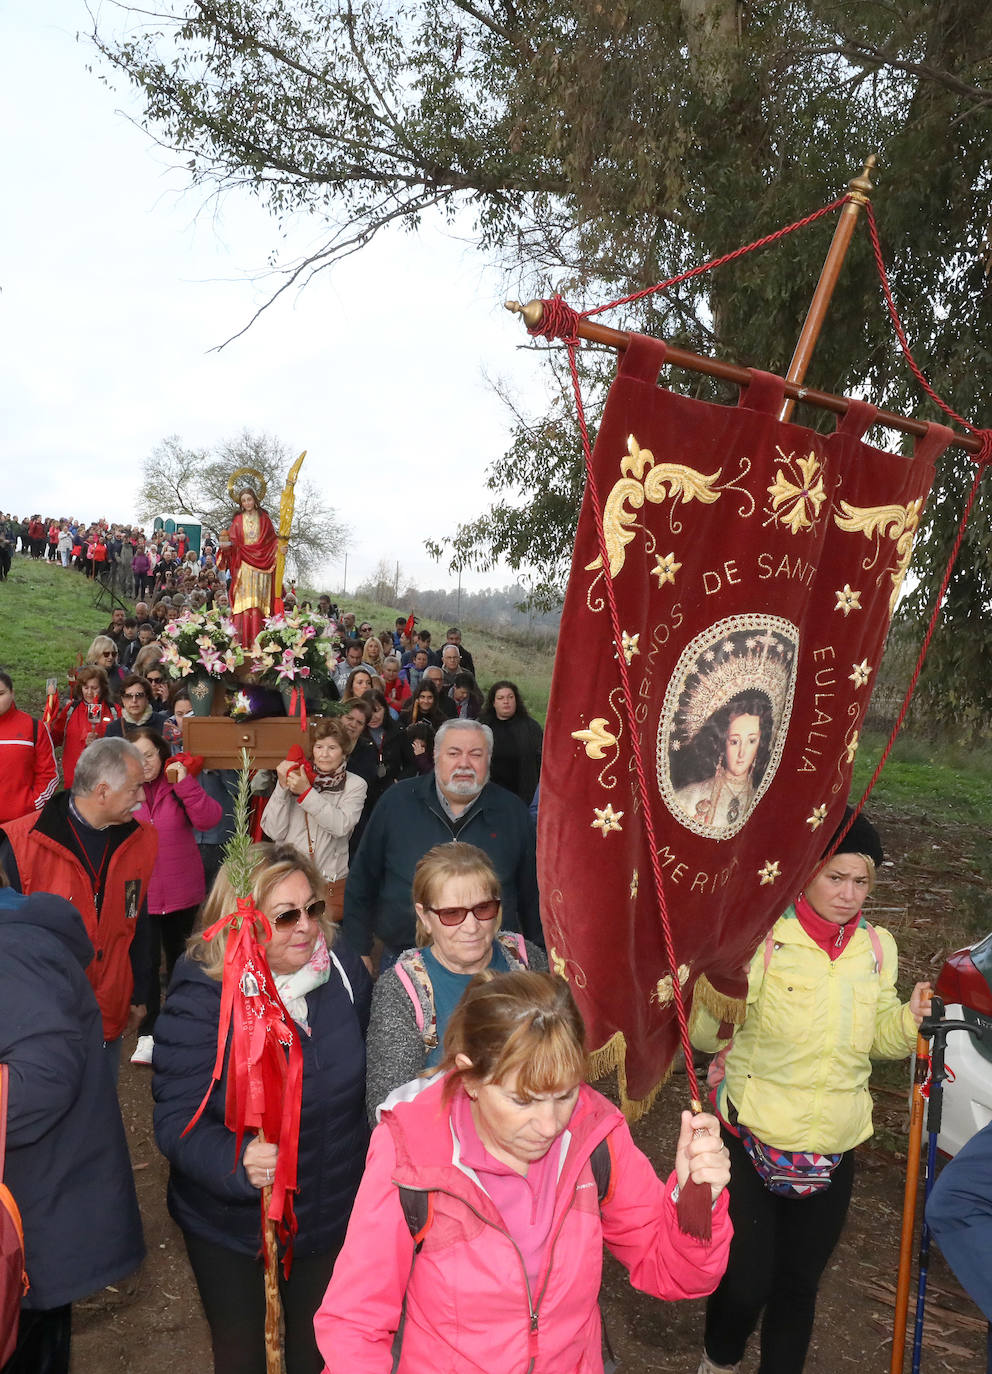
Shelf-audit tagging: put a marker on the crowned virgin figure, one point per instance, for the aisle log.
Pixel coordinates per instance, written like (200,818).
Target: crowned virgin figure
(248,550)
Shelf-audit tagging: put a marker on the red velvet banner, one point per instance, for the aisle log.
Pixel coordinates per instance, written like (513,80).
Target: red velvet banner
(755,566)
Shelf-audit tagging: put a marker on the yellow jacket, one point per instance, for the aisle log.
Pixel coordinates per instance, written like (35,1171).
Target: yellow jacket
(797,1070)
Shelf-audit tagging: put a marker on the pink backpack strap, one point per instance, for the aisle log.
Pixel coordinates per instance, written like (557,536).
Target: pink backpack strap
(876,946)
(514,945)
(407,982)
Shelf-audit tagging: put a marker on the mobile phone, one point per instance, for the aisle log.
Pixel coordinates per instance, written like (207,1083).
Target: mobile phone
(51,686)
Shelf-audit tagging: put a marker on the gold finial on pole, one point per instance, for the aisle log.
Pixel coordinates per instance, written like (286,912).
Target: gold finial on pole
(861,187)
(532,312)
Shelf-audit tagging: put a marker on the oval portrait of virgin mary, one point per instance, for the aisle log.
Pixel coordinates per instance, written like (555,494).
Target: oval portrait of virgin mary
(724,721)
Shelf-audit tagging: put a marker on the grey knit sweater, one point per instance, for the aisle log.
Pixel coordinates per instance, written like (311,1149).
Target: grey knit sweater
(395,1051)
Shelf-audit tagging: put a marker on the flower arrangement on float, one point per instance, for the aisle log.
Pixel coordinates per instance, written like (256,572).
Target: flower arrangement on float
(294,647)
(201,642)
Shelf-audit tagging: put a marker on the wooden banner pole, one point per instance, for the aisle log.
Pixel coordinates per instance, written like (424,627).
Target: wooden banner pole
(860,188)
(533,312)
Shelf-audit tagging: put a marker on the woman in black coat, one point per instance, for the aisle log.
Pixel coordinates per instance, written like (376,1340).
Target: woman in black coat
(214,1193)
(396,758)
(517,740)
(67,1160)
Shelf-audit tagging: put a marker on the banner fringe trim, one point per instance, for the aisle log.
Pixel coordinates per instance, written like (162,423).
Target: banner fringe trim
(718,1004)
(612,1057)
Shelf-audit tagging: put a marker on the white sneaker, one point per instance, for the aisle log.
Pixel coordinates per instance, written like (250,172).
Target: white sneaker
(706,1366)
(143,1050)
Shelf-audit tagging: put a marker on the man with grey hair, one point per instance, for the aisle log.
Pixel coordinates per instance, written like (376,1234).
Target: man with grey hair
(87,847)
(451,665)
(455,802)
(446,706)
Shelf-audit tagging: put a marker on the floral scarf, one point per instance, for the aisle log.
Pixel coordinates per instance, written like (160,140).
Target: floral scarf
(293,987)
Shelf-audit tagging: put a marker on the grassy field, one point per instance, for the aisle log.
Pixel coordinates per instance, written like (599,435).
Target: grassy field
(47,615)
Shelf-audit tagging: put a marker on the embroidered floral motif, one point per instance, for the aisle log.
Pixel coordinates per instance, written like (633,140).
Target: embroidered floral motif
(797,497)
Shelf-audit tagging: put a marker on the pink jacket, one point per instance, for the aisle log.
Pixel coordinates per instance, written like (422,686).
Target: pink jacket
(175,811)
(469,1308)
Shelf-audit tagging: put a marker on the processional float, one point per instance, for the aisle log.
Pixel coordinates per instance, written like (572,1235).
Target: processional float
(729,565)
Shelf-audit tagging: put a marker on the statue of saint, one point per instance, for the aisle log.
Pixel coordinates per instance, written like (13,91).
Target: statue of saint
(248,549)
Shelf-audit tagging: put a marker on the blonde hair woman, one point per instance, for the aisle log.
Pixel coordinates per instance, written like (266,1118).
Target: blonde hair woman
(214,1194)
(372,654)
(456,895)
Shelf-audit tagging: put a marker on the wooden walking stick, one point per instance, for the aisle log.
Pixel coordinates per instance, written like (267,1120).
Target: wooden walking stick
(273,1304)
(909,1208)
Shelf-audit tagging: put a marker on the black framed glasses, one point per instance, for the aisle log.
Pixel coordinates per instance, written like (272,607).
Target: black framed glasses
(455,915)
(289,918)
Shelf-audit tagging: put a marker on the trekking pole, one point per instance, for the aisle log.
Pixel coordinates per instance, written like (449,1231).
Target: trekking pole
(909,1208)
(935,1029)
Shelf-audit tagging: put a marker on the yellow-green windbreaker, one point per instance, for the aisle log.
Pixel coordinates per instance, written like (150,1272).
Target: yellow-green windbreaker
(798,1068)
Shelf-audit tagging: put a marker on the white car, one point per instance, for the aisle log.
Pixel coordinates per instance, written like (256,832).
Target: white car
(965,984)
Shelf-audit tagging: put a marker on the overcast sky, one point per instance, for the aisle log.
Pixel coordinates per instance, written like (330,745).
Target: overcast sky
(116,281)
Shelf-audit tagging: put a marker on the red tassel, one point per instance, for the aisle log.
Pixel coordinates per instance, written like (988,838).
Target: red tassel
(694,1208)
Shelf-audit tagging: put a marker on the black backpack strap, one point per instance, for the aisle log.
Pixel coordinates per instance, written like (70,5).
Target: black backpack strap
(418,1212)
(601,1163)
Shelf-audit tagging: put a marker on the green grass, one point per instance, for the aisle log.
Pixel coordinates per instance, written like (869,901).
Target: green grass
(48,614)
(925,778)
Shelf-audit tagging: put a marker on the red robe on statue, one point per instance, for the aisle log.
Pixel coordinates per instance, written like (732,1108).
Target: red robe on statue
(251,559)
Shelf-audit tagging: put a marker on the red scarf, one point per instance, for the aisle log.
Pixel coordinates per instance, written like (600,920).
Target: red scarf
(832,938)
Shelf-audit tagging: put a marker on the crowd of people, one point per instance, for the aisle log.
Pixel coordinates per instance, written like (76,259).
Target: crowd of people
(456,1177)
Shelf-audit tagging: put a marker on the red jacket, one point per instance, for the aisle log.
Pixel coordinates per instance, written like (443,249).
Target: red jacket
(28,771)
(398,693)
(467,1304)
(71,727)
(45,863)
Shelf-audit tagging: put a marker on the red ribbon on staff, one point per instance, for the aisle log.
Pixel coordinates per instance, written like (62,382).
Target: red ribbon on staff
(265,1066)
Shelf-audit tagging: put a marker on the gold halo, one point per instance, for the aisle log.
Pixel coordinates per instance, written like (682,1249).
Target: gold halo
(252,472)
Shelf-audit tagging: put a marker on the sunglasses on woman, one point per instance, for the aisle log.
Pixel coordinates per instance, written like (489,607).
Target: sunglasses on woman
(285,919)
(455,915)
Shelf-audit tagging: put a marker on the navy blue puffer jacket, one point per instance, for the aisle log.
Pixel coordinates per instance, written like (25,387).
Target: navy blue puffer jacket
(209,1193)
(67,1161)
